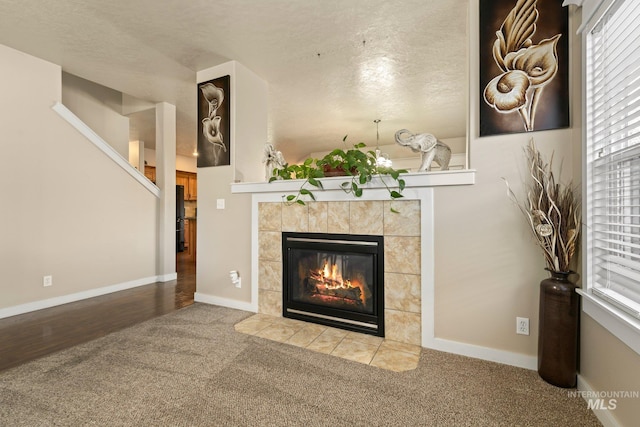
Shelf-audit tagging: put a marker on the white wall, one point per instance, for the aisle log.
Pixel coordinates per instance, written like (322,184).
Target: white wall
(187,163)
(100,108)
(487,266)
(136,154)
(224,235)
(166,181)
(183,163)
(251,124)
(69,211)
(132,104)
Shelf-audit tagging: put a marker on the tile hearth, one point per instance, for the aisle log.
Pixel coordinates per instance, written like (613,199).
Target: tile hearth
(361,348)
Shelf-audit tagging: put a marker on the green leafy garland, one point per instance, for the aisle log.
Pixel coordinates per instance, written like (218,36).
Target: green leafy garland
(360,166)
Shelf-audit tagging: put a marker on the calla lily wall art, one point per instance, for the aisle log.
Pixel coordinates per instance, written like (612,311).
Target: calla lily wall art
(523,66)
(214,123)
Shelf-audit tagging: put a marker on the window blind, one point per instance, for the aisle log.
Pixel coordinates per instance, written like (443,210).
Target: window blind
(613,156)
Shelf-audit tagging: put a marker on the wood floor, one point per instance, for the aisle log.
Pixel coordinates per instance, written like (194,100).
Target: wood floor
(36,334)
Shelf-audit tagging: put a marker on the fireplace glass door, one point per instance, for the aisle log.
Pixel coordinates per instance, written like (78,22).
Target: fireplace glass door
(335,280)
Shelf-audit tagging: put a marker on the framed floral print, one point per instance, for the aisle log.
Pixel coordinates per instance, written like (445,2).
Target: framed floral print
(214,123)
(524,66)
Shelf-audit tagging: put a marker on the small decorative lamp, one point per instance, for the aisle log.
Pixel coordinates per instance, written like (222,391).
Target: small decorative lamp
(382,159)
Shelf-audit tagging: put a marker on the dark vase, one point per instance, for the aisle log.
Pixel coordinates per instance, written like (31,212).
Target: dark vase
(558,330)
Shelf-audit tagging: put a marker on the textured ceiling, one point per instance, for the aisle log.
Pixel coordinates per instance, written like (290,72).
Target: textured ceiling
(332,66)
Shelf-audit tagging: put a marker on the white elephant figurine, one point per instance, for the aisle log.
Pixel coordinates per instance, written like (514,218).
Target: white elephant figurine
(429,146)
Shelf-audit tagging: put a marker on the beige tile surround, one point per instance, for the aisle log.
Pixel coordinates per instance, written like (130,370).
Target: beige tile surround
(366,349)
(401,233)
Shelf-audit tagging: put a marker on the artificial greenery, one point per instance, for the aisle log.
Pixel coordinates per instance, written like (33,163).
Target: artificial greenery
(359,166)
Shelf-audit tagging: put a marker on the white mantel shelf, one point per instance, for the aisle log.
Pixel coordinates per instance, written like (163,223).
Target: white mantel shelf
(413,180)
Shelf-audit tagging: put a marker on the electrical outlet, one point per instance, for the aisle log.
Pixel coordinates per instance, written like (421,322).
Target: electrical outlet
(235,278)
(522,325)
(47,281)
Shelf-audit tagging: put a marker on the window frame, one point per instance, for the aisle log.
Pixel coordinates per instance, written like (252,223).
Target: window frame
(621,324)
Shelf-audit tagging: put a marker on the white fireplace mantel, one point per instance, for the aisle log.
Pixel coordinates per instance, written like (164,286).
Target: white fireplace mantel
(413,181)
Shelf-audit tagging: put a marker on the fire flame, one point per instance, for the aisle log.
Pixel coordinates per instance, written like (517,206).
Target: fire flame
(334,280)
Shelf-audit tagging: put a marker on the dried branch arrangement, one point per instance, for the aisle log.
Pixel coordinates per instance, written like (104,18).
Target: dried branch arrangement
(552,211)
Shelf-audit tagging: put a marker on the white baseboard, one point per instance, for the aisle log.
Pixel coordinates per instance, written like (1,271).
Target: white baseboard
(65,299)
(224,302)
(603,415)
(167,277)
(484,353)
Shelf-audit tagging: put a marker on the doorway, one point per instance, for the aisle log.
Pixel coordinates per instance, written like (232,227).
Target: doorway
(187,211)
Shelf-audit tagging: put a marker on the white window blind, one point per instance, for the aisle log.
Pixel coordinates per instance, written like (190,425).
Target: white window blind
(613,156)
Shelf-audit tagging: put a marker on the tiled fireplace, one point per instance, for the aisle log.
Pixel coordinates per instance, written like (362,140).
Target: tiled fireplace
(401,233)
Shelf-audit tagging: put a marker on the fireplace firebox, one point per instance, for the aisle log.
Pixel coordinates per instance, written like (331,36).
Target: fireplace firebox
(335,280)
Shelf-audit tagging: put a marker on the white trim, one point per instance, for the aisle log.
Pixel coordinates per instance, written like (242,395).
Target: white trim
(592,11)
(604,415)
(107,149)
(255,264)
(616,321)
(427,267)
(224,302)
(484,353)
(78,296)
(167,277)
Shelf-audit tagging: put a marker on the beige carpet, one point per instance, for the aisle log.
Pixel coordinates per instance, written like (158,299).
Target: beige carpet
(191,368)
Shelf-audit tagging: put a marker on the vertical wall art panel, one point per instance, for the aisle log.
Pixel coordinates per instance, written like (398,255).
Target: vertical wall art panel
(214,122)
(524,66)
